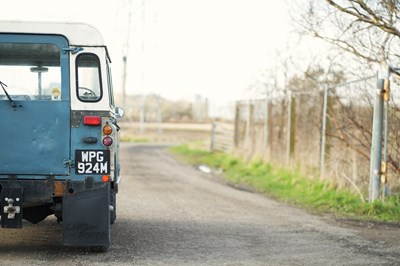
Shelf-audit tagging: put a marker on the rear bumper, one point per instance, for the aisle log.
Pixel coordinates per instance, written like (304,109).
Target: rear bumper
(34,200)
(42,191)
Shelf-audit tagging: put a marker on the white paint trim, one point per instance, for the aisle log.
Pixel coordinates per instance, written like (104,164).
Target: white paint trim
(104,103)
(76,33)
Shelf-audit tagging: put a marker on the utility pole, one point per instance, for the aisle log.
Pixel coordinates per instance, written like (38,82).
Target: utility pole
(125,54)
(142,102)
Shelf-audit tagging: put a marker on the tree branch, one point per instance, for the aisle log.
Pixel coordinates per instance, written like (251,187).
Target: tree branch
(374,19)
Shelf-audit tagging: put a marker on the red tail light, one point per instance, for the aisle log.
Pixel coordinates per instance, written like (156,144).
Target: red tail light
(107,141)
(91,120)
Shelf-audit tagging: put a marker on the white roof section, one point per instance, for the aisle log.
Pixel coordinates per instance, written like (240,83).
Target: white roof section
(77,33)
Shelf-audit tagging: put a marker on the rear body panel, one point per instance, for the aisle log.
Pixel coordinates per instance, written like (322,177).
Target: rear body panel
(45,149)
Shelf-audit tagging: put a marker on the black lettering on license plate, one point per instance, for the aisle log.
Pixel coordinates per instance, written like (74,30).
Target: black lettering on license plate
(92,162)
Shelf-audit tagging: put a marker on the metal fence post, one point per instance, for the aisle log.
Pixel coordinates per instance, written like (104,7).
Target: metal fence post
(236,135)
(289,129)
(142,113)
(266,116)
(376,143)
(386,98)
(323,132)
(160,114)
(248,121)
(212,140)
(252,130)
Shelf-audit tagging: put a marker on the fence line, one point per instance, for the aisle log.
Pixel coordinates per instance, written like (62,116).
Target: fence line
(222,135)
(328,132)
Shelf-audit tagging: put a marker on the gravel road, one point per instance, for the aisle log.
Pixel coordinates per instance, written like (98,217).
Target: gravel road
(171,214)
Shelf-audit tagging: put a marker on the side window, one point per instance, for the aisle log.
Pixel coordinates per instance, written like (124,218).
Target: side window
(88,82)
(110,86)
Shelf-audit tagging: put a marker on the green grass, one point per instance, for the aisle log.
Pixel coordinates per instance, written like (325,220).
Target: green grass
(291,187)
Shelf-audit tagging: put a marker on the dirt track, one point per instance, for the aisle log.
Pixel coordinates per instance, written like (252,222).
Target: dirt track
(171,214)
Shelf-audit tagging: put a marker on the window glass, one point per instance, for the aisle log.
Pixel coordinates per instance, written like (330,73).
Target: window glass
(88,77)
(31,71)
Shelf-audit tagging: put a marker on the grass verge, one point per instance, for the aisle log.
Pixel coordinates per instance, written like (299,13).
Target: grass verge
(291,187)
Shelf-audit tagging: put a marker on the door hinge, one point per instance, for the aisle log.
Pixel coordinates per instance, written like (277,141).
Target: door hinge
(73,50)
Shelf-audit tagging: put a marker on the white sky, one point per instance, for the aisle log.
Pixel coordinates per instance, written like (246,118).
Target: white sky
(214,48)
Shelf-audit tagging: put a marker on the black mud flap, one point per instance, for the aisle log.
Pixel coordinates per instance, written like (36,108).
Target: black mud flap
(11,207)
(86,218)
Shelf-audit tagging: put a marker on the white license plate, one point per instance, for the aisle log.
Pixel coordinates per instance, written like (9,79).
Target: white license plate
(92,162)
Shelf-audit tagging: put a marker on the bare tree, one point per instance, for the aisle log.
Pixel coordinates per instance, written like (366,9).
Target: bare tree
(367,29)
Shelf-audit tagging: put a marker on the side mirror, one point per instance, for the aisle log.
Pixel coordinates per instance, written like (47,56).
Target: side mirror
(119,112)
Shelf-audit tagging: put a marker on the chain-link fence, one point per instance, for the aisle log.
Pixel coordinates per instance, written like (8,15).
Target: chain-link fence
(326,132)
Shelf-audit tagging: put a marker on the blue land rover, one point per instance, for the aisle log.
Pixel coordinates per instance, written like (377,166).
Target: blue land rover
(59,130)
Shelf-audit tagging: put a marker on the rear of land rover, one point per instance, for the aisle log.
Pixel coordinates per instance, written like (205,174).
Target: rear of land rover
(59,130)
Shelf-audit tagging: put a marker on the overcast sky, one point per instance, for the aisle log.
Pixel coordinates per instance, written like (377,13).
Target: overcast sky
(177,48)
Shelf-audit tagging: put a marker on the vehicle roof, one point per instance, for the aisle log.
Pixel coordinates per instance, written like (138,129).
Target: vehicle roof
(76,33)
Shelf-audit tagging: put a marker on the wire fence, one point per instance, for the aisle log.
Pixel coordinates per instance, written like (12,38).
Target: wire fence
(326,132)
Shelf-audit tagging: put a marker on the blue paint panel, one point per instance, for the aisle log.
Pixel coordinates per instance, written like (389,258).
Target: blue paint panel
(35,138)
